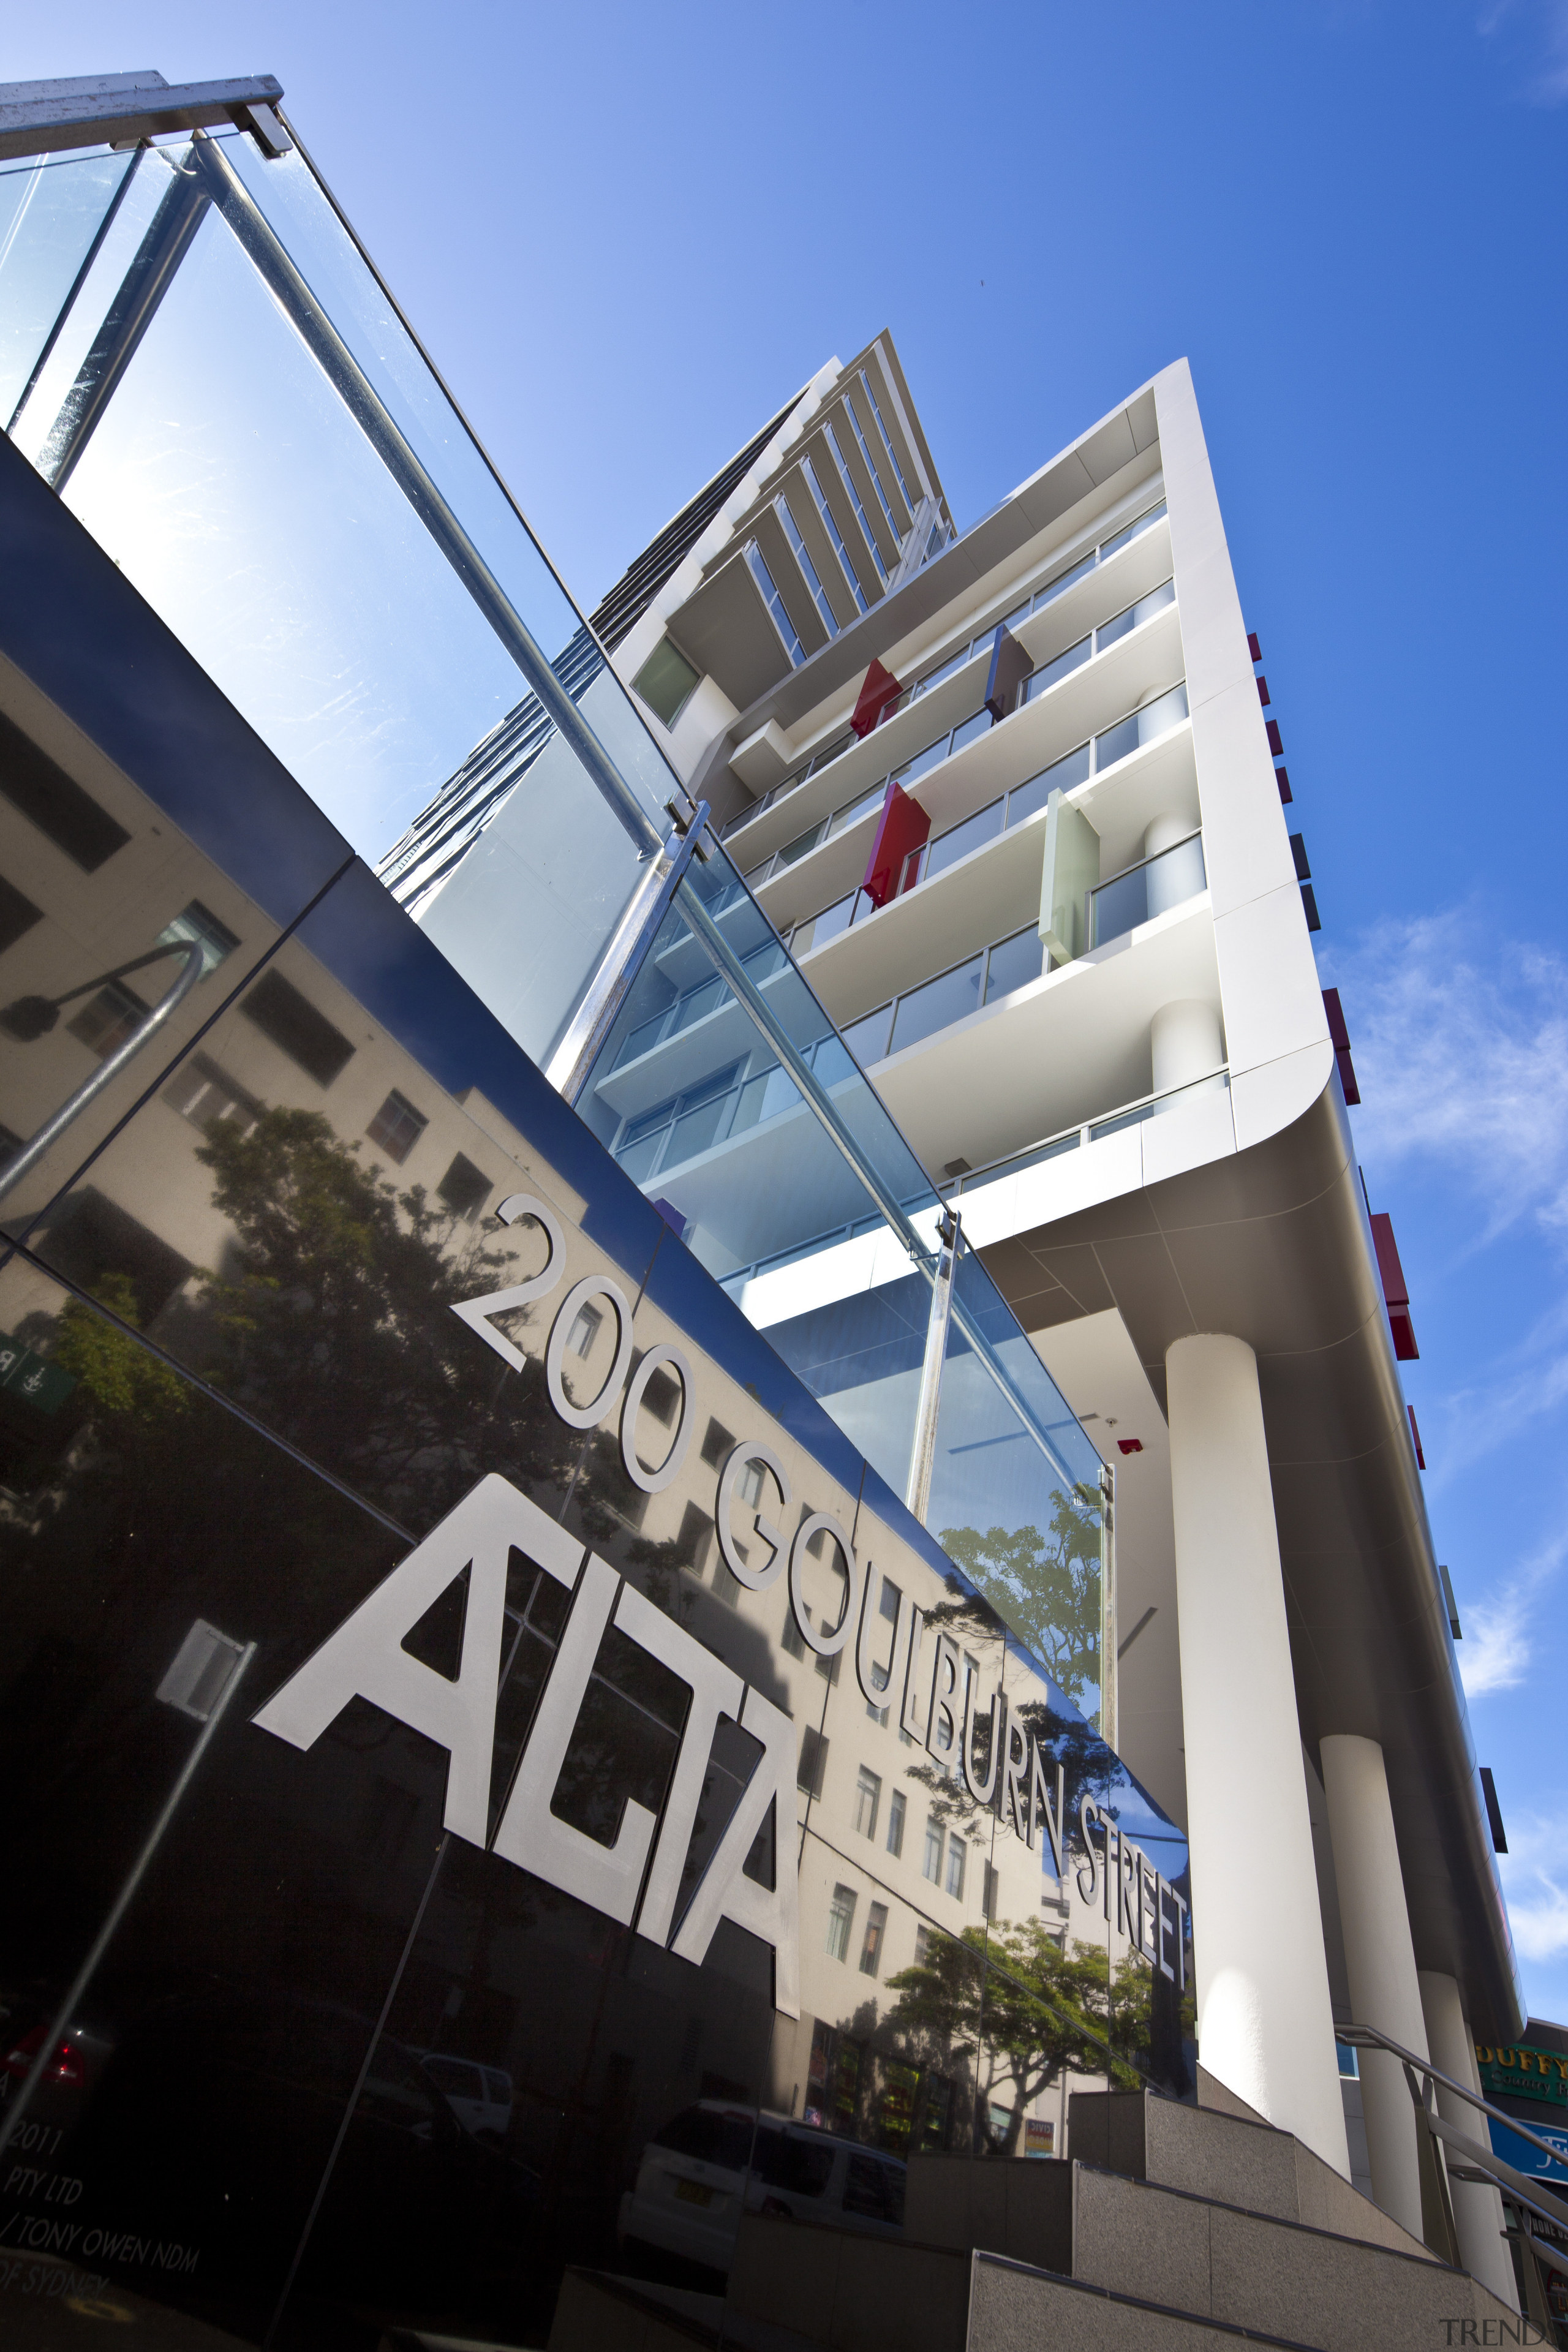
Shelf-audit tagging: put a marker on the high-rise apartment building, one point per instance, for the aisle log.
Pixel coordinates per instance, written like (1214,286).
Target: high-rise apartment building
(714,1524)
(1016,805)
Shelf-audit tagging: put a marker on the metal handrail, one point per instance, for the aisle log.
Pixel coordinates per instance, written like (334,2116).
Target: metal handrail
(1522,2186)
(109,1069)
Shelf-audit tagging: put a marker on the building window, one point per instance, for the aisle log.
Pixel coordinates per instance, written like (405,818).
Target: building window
(922,1945)
(465,1189)
(896,1822)
(793,1640)
(667,682)
(840,1919)
(825,612)
(768,591)
(584,1329)
(106,1019)
(847,478)
(204,1094)
(887,441)
(871,469)
(868,1797)
(957,1855)
(834,534)
(931,1861)
(295,1026)
(813,1759)
(992,1893)
(871,1949)
(398,1127)
(199,927)
(17,915)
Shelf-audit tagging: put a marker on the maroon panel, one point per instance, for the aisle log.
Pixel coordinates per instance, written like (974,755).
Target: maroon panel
(1253,649)
(1284,784)
(1263,695)
(1337,1029)
(1275,745)
(1347,1077)
(1394,1291)
(902,827)
(1415,1433)
(878,688)
(1405,1346)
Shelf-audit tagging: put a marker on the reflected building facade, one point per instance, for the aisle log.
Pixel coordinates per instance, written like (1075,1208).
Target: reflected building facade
(573,1677)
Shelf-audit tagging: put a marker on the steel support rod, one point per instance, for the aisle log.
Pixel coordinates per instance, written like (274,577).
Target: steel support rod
(923,1459)
(306,315)
(809,1085)
(108,1070)
(584,1035)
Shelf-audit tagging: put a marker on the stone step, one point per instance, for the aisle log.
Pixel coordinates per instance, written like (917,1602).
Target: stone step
(1242,2162)
(1196,2254)
(1013,2308)
(801,2282)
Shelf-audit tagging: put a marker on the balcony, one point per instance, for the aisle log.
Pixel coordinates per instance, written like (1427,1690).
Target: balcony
(972,650)
(997,817)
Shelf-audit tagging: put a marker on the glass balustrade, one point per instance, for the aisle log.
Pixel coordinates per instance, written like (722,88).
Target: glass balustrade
(1150,889)
(1073,1138)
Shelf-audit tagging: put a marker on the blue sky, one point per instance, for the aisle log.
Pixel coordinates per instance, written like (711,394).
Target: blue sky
(627,235)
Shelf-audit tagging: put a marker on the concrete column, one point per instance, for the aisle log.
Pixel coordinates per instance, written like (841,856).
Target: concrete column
(1478,2207)
(1265,2022)
(1184,1043)
(1380,1961)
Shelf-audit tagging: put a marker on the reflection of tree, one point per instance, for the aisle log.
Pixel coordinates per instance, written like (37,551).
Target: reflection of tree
(1034,2010)
(1047,1587)
(125,1382)
(332,1321)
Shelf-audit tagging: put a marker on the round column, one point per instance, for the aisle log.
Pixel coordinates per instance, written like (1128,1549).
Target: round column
(1265,2022)
(1184,1043)
(1380,1961)
(1478,2207)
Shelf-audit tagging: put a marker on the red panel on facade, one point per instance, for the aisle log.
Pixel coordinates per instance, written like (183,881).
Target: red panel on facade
(1347,1077)
(1396,1297)
(1284,783)
(1253,649)
(902,827)
(1263,695)
(1415,1433)
(1275,745)
(1337,1029)
(1394,1286)
(878,688)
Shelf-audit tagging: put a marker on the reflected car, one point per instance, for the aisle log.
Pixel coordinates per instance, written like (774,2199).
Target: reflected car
(702,2170)
(480,2096)
(67,2082)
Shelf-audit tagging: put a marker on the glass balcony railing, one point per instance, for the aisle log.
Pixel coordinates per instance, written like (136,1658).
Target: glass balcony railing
(1072,1138)
(1000,815)
(1149,888)
(972,647)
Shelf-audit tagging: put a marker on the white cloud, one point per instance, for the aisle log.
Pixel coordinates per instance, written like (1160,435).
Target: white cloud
(1544,29)
(1464,1062)
(1535,1882)
(1496,1648)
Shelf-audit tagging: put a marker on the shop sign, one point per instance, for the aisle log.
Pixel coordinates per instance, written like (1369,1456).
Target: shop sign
(940,1704)
(1039,2135)
(26,1375)
(1518,2070)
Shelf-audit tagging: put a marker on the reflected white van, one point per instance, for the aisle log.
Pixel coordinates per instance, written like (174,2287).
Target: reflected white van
(702,2171)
